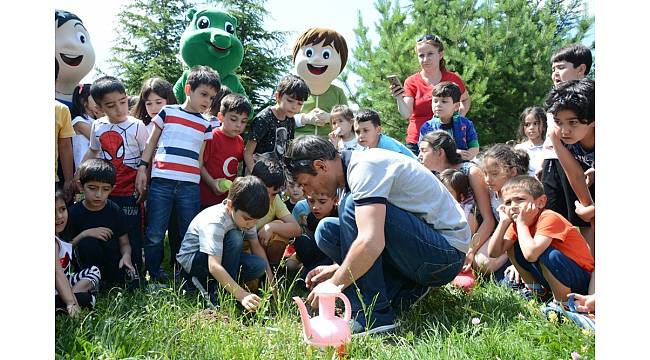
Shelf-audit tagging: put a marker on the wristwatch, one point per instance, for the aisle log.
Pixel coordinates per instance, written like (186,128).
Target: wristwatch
(142,162)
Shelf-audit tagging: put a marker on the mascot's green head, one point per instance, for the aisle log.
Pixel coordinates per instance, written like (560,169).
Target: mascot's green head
(210,40)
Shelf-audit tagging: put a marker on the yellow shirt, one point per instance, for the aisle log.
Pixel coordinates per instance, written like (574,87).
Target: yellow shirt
(277,209)
(62,129)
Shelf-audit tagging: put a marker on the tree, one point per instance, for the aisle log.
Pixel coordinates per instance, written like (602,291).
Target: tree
(501,49)
(148,41)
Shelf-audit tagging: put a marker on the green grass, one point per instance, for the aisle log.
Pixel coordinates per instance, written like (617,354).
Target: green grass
(170,324)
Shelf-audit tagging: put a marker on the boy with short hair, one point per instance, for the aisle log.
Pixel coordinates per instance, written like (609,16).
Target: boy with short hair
(573,137)
(225,151)
(367,126)
(179,134)
(120,139)
(278,225)
(445,103)
(212,247)
(97,225)
(274,127)
(544,247)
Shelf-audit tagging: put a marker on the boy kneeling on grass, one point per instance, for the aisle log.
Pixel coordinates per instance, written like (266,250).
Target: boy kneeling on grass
(544,247)
(212,247)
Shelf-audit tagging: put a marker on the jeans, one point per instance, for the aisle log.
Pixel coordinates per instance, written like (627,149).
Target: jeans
(561,266)
(163,195)
(309,254)
(239,265)
(414,255)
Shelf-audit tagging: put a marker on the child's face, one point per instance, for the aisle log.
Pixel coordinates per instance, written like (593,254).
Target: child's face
(154,103)
(338,121)
(295,192)
(562,71)
(95,194)
(242,219)
(233,124)
(367,133)
(321,205)
(289,105)
(571,129)
(443,107)
(272,191)
(428,55)
(60,215)
(92,109)
(430,157)
(532,127)
(201,98)
(514,199)
(495,174)
(115,105)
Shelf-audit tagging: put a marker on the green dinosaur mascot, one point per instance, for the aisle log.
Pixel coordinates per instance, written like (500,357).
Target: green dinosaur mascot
(210,40)
(319,56)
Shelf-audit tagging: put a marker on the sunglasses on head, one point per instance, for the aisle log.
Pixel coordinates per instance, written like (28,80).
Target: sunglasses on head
(433,38)
(293,164)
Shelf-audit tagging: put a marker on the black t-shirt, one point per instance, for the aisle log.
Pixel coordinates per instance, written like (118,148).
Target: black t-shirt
(312,222)
(272,134)
(289,205)
(111,216)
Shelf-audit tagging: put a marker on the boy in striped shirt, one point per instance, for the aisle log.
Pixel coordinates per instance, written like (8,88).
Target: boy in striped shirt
(179,134)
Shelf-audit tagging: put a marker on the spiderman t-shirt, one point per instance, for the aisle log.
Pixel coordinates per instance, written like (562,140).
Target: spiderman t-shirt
(122,144)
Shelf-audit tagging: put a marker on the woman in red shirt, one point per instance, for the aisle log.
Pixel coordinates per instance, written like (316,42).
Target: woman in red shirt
(414,99)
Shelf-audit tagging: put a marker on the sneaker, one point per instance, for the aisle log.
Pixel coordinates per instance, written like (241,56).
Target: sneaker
(380,324)
(535,292)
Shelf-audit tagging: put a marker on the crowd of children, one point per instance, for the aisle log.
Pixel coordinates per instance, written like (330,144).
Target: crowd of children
(233,217)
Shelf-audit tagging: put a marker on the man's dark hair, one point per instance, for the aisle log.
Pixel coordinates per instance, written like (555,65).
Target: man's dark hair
(303,151)
(99,170)
(576,54)
(235,103)
(368,115)
(203,75)
(271,173)
(576,96)
(447,89)
(106,85)
(294,86)
(249,194)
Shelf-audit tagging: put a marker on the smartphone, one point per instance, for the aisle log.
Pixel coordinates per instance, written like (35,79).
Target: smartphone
(394,80)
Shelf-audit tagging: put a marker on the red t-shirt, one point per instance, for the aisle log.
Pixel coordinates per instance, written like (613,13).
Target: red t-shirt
(420,91)
(566,237)
(221,158)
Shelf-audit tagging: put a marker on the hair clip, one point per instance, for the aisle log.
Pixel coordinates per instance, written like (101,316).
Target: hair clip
(81,88)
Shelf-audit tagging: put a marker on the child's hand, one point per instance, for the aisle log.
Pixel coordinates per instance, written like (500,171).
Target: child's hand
(73,309)
(250,301)
(141,197)
(511,273)
(126,261)
(527,213)
(586,213)
(504,214)
(584,303)
(590,176)
(265,234)
(465,154)
(469,259)
(141,180)
(102,233)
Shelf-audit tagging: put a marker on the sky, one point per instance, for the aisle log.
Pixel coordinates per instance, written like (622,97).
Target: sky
(340,15)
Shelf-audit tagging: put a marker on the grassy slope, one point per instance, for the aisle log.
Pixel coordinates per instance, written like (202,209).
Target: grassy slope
(169,325)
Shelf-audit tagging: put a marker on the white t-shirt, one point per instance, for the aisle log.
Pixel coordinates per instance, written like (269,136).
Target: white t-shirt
(79,142)
(535,153)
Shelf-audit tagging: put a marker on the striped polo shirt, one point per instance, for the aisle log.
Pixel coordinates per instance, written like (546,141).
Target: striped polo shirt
(181,138)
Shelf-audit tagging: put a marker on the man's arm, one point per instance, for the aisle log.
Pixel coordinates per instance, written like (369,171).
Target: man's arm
(366,248)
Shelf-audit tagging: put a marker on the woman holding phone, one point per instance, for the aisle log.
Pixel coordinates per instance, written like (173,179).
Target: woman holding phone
(414,98)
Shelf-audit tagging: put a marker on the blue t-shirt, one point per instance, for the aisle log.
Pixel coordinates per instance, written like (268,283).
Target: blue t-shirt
(462,130)
(388,143)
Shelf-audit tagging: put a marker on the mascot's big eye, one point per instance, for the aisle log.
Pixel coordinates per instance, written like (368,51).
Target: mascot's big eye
(309,52)
(229,28)
(203,22)
(327,53)
(81,37)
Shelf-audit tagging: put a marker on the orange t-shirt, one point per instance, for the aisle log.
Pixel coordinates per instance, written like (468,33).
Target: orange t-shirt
(566,238)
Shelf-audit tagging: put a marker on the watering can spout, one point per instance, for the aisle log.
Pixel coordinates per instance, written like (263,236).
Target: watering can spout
(306,320)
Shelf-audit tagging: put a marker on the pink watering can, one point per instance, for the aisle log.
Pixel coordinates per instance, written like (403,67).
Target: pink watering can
(326,329)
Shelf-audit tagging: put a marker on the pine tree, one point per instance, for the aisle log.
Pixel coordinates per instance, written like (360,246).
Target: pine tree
(148,41)
(501,49)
